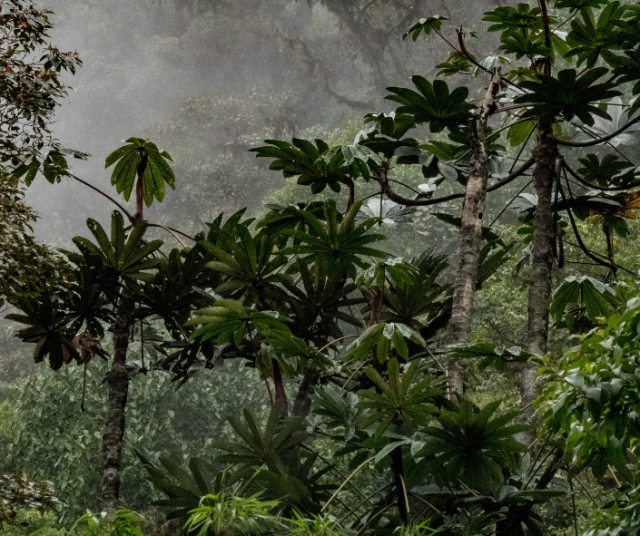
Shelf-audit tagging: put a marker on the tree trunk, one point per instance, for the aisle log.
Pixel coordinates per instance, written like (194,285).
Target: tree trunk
(278,383)
(543,257)
(470,237)
(302,404)
(398,475)
(118,382)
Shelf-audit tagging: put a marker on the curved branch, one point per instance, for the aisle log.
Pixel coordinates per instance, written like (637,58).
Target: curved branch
(582,245)
(580,179)
(131,218)
(391,194)
(173,232)
(598,141)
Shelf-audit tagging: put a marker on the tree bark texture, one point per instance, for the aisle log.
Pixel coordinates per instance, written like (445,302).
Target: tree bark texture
(470,237)
(113,435)
(544,235)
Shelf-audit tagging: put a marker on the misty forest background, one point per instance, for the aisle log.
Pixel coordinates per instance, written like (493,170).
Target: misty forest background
(207,80)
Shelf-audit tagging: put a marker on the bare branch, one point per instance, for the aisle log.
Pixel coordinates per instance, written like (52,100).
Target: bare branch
(126,212)
(391,194)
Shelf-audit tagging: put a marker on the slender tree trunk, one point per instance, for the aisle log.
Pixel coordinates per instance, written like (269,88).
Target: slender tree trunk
(118,382)
(398,474)
(139,198)
(470,237)
(543,258)
(278,383)
(302,404)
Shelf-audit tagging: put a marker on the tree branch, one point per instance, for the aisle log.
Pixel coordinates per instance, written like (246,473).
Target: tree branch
(391,194)
(126,212)
(597,141)
(580,179)
(582,245)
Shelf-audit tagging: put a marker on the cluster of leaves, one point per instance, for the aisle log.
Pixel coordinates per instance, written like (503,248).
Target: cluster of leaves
(26,267)
(30,86)
(17,491)
(593,392)
(54,439)
(121,523)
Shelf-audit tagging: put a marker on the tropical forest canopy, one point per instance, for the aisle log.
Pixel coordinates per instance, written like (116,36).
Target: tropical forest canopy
(348,268)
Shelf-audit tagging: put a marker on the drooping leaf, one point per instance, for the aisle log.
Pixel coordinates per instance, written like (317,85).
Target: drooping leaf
(141,158)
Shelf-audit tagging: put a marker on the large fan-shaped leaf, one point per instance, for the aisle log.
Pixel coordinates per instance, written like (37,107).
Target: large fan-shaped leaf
(433,104)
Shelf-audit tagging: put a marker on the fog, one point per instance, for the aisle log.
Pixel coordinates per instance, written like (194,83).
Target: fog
(209,79)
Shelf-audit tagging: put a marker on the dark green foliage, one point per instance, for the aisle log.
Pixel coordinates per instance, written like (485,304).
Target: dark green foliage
(568,95)
(273,446)
(512,21)
(591,39)
(141,158)
(628,68)
(124,255)
(53,166)
(597,299)
(183,489)
(579,4)
(406,399)
(288,474)
(46,329)
(249,263)
(381,339)
(340,243)
(230,321)
(433,104)
(427,25)
(474,445)
(30,84)
(499,357)
(610,171)
(592,395)
(317,305)
(306,161)
(522,46)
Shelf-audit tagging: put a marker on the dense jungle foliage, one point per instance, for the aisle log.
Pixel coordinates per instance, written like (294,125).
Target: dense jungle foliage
(374,273)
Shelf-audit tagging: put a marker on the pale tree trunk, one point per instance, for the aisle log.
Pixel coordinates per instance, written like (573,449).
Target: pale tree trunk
(113,435)
(544,233)
(470,237)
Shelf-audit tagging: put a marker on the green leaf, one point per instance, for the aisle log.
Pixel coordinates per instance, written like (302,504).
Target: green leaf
(143,160)
(427,25)
(472,445)
(433,104)
(403,399)
(568,95)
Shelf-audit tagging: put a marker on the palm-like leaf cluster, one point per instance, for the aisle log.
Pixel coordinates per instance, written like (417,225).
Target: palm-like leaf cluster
(473,445)
(141,159)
